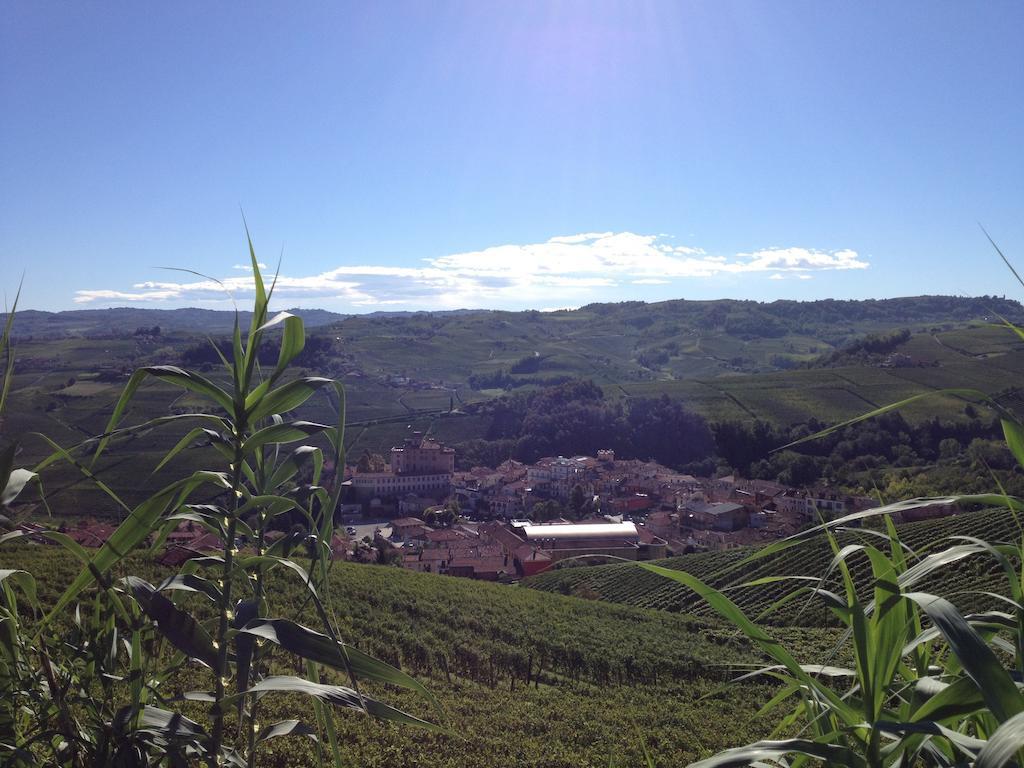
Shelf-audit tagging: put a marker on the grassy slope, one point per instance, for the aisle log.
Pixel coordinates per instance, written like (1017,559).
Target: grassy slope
(607,668)
(629,585)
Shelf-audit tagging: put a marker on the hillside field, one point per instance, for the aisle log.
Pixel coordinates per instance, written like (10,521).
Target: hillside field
(730,570)
(524,677)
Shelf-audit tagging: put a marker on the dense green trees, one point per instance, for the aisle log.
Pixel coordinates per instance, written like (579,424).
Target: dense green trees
(574,418)
(888,445)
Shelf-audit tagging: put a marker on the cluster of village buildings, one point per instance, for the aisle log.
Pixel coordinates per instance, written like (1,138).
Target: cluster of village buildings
(606,508)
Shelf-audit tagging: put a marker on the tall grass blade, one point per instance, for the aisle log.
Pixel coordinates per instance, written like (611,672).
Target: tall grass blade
(1004,746)
(340,696)
(978,661)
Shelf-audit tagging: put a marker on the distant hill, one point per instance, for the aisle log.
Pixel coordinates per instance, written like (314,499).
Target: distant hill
(96,323)
(636,341)
(830,320)
(725,360)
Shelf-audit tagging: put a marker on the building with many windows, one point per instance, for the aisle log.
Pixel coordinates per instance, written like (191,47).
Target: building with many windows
(420,465)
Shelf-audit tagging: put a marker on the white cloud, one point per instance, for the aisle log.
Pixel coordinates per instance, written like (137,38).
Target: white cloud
(538,274)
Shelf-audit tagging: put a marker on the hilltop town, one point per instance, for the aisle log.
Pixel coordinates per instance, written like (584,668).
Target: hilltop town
(519,519)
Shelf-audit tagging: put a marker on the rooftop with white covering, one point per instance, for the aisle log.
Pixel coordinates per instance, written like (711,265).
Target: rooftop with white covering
(622,530)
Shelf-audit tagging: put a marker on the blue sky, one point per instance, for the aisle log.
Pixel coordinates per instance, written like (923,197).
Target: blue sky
(527,154)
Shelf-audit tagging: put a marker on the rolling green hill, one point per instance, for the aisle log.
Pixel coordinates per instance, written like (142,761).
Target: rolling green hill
(615,343)
(722,359)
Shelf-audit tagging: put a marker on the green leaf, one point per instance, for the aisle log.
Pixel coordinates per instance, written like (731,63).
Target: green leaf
(169,725)
(340,696)
(16,483)
(1014,434)
(337,440)
(133,531)
(288,468)
(5,347)
(282,433)
(245,647)
(259,316)
(189,582)
(937,561)
(976,657)
(25,581)
(833,754)
(284,546)
(293,338)
(812,669)
(732,613)
(191,381)
(247,563)
(260,304)
(286,397)
(186,441)
(184,632)
(293,341)
(286,728)
(172,375)
(968,744)
(959,698)
(1004,745)
(277,319)
(237,355)
(318,647)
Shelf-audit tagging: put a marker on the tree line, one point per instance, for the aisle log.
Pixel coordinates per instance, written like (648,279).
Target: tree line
(574,418)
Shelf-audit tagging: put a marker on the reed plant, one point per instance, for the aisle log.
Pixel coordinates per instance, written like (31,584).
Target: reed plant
(94,678)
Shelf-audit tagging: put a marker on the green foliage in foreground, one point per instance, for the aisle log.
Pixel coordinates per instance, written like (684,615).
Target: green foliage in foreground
(927,684)
(101,686)
(608,674)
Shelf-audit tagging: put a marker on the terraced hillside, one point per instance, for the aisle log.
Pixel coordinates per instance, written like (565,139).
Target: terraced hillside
(629,585)
(523,677)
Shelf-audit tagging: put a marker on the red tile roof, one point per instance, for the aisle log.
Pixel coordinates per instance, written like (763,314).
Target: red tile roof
(437,537)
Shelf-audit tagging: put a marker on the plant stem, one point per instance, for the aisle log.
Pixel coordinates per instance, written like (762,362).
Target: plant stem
(221,671)
(254,703)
